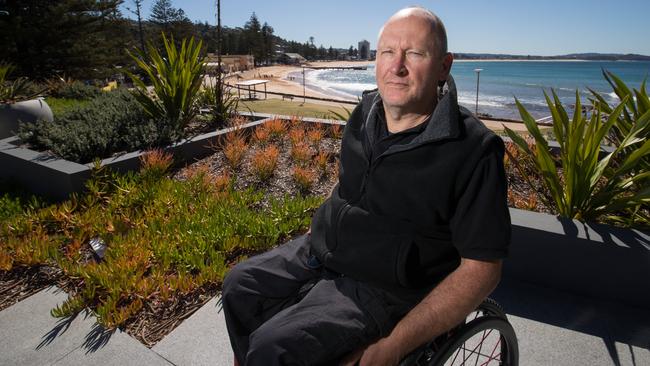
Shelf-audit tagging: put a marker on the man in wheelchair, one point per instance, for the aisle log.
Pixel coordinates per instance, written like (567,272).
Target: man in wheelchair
(410,240)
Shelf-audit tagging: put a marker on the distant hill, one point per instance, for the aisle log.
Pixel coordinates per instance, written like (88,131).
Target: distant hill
(572,56)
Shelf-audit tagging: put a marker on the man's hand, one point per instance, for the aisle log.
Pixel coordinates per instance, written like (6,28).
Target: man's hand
(380,353)
(445,306)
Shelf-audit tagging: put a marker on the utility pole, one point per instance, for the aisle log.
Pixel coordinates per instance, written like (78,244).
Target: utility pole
(218,86)
(304,95)
(138,6)
(478,77)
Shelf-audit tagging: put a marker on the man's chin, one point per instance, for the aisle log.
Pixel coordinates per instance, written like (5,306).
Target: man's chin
(395,101)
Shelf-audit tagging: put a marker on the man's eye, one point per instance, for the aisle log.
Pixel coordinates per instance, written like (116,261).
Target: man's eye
(414,54)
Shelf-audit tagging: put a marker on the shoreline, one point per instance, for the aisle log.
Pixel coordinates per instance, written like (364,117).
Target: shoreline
(519,60)
(279,81)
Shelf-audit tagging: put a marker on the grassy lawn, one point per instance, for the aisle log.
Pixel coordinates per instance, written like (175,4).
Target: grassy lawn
(62,105)
(294,108)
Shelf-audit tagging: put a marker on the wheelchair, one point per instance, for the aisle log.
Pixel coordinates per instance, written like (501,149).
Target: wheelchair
(484,338)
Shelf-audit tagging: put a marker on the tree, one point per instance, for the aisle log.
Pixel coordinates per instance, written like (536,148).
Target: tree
(171,21)
(268,43)
(43,37)
(253,36)
(351,51)
(138,14)
(162,13)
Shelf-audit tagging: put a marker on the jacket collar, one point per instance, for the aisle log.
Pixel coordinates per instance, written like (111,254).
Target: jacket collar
(443,123)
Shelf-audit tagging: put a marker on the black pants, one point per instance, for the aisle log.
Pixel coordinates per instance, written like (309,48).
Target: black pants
(279,311)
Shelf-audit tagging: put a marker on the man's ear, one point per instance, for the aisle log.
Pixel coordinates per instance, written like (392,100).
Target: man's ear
(447,61)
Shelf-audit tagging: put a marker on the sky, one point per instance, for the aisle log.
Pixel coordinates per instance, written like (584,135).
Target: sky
(523,27)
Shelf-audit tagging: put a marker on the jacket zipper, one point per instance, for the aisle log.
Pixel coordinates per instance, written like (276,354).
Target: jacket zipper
(342,211)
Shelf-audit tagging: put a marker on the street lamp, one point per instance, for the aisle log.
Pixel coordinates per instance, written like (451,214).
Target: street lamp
(478,77)
(303,86)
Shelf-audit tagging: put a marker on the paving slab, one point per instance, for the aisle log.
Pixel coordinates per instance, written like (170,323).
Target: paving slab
(201,339)
(558,328)
(29,335)
(541,344)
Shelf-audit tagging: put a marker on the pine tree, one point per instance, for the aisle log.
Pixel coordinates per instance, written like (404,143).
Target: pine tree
(138,14)
(268,43)
(253,35)
(170,21)
(163,13)
(76,38)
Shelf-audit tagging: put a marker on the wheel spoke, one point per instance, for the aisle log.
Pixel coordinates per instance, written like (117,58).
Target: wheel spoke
(476,351)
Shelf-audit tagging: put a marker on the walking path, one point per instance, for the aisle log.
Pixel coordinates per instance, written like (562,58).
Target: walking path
(553,328)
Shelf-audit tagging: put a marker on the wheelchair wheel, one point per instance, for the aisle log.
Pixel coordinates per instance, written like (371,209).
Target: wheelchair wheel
(487,340)
(440,351)
(487,307)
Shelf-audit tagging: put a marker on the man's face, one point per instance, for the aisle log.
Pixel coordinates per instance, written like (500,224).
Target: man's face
(408,67)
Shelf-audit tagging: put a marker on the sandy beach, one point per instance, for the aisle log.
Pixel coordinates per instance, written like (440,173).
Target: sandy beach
(277,76)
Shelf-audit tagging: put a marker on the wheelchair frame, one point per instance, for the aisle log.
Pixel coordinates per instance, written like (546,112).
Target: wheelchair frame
(459,346)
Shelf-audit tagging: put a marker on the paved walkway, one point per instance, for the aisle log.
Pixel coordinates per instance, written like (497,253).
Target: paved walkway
(553,328)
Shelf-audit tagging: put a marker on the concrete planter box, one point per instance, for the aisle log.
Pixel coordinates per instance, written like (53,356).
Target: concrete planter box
(57,179)
(26,111)
(595,260)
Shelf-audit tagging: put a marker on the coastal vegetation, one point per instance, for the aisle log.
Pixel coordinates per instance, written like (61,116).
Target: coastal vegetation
(16,90)
(141,249)
(582,181)
(176,77)
(88,40)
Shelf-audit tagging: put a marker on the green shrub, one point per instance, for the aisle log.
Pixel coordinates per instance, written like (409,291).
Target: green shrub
(176,78)
(18,89)
(111,123)
(634,113)
(582,182)
(74,90)
(218,96)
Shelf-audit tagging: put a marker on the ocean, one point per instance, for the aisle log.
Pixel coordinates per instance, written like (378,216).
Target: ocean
(502,81)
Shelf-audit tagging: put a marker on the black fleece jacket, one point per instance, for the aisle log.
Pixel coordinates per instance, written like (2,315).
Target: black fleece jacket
(404,219)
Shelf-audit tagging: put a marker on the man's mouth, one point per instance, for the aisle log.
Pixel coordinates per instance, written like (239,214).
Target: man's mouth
(397,83)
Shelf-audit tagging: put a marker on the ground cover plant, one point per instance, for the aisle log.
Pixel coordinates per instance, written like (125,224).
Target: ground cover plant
(143,251)
(280,156)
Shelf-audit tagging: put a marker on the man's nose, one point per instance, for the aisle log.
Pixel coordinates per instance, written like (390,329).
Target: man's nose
(397,66)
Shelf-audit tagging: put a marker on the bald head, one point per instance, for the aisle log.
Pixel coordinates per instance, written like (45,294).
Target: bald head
(436,26)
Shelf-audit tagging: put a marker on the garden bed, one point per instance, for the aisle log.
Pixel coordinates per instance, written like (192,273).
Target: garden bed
(257,187)
(170,240)
(44,174)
